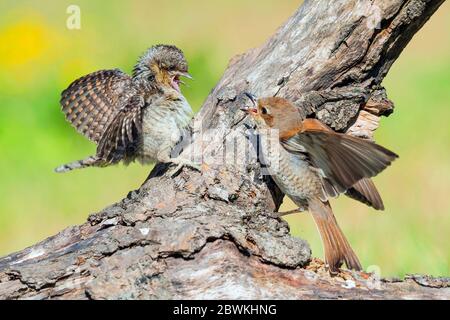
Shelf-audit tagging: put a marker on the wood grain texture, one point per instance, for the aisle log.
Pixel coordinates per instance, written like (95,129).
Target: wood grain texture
(213,234)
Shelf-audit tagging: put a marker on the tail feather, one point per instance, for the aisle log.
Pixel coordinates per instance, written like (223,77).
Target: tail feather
(365,191)
(337,250)
(79,164)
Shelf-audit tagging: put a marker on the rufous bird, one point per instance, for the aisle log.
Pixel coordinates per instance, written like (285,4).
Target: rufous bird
(139,117)
(314,164)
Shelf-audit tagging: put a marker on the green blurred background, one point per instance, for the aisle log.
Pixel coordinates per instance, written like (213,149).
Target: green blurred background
(39,57)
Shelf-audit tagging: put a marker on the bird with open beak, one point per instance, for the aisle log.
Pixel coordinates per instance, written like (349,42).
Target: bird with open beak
(139,117)
(314,164)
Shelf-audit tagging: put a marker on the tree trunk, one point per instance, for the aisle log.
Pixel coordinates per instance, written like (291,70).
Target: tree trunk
(213,234)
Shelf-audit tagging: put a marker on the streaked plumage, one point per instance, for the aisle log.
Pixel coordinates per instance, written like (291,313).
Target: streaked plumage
(315,164)
(139,117)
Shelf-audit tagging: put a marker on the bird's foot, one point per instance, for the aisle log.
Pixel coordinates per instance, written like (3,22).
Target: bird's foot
(180,163)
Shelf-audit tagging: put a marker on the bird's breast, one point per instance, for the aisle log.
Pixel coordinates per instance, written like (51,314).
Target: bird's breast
(163,124)
(292,173)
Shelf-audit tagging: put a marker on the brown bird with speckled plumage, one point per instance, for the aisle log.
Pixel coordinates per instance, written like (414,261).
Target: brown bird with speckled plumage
(140,117)
(313,164)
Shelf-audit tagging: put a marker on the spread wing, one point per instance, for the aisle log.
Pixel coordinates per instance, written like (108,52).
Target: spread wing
(123,135)
(343,160)
(91,102)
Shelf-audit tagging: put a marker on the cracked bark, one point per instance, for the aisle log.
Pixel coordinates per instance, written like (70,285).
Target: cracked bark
(212,234)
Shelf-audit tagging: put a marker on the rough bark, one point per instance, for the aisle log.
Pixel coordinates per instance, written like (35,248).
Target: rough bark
(212,234)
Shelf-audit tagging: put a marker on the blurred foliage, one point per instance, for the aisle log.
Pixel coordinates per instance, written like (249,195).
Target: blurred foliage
(39,57)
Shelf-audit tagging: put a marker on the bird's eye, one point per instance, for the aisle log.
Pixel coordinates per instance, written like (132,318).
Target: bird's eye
(264,110)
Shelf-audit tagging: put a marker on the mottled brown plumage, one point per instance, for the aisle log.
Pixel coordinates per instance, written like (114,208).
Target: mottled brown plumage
(133,117)
(91,102)
(315,164)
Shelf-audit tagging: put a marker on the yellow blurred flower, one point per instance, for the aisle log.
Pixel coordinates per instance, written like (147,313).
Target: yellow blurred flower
(23,42)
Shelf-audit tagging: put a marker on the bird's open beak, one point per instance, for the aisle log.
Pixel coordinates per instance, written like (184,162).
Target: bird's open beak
(253,99)
(175,79)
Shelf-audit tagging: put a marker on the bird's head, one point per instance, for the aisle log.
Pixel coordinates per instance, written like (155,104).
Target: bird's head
(275,113)
(163,64)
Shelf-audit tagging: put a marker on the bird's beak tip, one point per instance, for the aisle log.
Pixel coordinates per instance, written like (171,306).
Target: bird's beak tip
(187,75)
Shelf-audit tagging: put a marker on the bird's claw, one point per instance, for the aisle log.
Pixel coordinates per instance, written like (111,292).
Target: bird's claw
(179,165)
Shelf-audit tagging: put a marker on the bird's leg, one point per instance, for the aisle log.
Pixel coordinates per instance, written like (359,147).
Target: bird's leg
(285,213)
